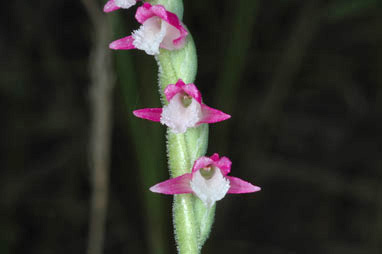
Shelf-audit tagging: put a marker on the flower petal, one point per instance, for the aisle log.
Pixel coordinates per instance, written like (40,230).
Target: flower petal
(224,164)
(191,90)
(173,89)
(211,115)
(152,114)
(110,6)
(124,43)
(177,185)
(170,39)
(215,157)
(202,162)
(147,11)
(241,186)
(113,5)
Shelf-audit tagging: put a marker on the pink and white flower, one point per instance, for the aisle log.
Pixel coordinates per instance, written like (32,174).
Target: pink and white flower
(208,181)
(113,5)
(184,110)
(160,29)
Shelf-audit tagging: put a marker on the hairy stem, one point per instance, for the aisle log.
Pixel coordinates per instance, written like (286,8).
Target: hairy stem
(182,149)
(192,221)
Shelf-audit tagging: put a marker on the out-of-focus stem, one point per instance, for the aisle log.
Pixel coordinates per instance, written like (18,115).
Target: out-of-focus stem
(376,241)
(100,130)
(306,28)
(233,66)
(145,142)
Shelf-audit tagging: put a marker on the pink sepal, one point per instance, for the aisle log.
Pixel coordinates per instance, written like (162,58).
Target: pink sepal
(152,114)
(240,186)
(211,115)
(110,6)
(124,43)
(177,185)
(147,11)
(190,89)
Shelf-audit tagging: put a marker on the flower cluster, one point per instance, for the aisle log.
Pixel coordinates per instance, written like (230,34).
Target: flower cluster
(208,179)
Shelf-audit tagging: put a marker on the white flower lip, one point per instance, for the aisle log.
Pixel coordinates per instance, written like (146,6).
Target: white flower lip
(212,189)
(150,35)
(178,117)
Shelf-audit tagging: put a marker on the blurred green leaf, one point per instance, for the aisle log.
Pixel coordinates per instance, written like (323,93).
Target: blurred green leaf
(349,8)
(147,142)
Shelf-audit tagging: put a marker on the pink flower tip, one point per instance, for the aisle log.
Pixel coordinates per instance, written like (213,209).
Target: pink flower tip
(152,114)
(123,43)
(155,188)
(113,45)
(113,5)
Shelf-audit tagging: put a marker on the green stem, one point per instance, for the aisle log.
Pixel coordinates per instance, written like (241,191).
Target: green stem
(204,217)
(192,221)
(181,152)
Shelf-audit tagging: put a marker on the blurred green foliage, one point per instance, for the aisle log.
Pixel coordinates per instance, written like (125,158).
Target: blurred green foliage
(339,10)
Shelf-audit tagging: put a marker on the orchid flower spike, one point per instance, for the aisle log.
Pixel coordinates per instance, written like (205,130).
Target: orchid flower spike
(160,29)
(113,5)
(184,110)
(208,181)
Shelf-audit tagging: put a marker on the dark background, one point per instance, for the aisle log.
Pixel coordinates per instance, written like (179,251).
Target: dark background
(301,79)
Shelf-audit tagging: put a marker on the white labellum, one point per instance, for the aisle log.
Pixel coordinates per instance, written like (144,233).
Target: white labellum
(212,189)
(150,35)
(179,117)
